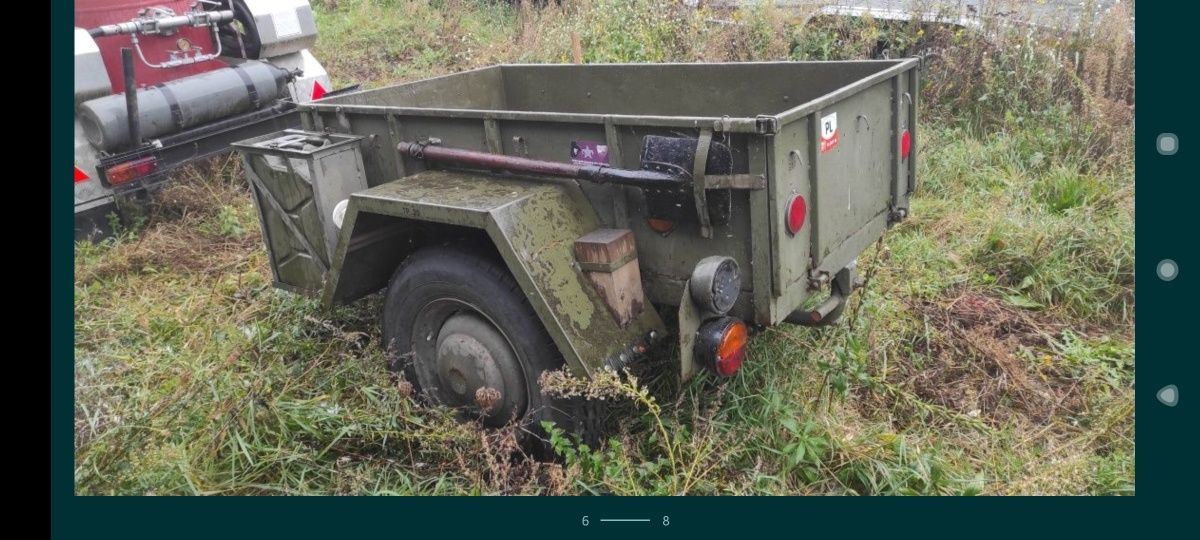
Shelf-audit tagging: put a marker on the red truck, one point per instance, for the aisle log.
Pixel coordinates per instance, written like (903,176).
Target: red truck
(162,83)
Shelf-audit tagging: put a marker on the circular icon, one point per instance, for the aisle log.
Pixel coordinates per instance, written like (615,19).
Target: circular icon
(1167,270)
(1168,144)
(1168,395)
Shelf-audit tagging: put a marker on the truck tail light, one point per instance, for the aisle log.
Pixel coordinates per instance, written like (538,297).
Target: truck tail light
(80,176)
(797,209)
(318,91)
(721,345)
(905,144)
(130,170)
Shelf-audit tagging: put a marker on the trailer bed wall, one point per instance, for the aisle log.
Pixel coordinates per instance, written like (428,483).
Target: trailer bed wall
(744,89)
(537,111)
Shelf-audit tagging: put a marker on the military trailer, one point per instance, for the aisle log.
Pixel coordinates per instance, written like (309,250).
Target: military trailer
(525,217)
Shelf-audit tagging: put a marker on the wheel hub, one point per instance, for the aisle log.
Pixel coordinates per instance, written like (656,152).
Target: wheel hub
(474,369)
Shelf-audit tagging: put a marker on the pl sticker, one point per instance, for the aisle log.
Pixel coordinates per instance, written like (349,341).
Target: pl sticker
(589,153)
(829,132)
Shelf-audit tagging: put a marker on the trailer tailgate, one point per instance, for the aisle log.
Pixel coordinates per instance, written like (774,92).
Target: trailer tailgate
(843,156)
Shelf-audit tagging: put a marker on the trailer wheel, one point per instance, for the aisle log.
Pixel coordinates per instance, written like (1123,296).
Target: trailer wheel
(459,327)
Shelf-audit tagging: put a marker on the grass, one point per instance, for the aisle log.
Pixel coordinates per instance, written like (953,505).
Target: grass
(991,352)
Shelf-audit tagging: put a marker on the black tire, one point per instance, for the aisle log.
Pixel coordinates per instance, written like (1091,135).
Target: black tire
(461,290)
(249,40)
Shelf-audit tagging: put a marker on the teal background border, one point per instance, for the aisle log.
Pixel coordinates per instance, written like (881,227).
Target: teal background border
(1166,475)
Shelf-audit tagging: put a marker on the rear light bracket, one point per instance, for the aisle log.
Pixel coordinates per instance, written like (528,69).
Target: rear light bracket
(108,162)
(699,307)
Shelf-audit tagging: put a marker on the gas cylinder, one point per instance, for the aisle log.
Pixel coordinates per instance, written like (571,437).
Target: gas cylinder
(182,103)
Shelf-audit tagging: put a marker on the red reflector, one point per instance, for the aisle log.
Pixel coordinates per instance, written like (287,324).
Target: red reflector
(905,144)
(318,91)
(80,176)
(797,209)
(131,170)
(721,345)
(661,226)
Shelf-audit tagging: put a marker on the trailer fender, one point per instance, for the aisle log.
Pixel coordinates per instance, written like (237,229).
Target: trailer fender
(533,224)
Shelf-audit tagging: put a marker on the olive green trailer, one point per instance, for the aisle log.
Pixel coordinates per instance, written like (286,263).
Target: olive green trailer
(526,216)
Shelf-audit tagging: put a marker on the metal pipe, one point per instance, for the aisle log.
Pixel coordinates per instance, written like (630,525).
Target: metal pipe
(131,98)
(824,314)
(829,310)
(601,174)
(162,25)
(152,25)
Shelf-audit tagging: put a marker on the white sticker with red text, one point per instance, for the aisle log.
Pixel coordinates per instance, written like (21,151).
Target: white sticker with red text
(829,132)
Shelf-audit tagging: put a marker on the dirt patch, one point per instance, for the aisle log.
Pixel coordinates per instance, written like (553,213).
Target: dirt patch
(986,359)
